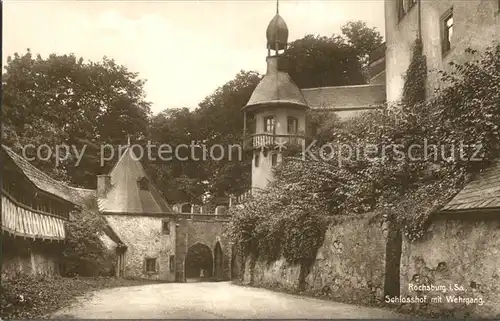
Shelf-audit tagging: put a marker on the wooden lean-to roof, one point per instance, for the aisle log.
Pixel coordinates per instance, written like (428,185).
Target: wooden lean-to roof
(45,183)
(22,220)
(483,193)
(125,194)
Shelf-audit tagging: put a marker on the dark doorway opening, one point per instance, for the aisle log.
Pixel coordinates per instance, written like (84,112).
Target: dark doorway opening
(393,260)
(219,262)
(199,263)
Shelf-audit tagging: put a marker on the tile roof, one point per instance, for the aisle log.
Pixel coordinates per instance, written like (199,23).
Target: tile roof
(276,87)
(125,196)
(77,196)
(482,193)
(345,97)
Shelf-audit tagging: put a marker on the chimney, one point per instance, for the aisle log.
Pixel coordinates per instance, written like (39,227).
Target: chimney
(103,185)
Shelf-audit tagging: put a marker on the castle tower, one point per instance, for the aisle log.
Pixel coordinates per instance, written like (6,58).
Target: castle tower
(277,109)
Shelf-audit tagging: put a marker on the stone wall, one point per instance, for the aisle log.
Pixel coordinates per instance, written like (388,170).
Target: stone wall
(20,256)
(350,264)
(144,239)
(463,253)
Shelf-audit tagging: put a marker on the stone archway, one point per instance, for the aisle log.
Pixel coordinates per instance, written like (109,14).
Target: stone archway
(218,262)
(199,258)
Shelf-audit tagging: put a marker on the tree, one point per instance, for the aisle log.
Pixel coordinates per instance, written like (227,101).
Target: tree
(179,179)
(221,122)
(85,254)
(64,100)
(316,61)
(217,120)
(363,39)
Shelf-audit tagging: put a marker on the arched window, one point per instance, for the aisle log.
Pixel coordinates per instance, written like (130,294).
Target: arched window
(257,159)
(292,125)
(269,124)
(144,184)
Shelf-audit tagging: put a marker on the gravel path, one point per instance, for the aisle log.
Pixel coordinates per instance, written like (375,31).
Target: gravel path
(209,301)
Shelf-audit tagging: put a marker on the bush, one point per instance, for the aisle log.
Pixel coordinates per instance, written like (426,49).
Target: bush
(85,254)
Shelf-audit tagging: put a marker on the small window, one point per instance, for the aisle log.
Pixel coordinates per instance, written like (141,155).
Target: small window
(269,124)
(257,159)
(144,184)
(292,125)
(171,263)
(447,30)
(151,265)
(274,159)
(165,228)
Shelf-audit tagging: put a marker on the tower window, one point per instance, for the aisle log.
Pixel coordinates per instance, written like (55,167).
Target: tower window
(269,123)
(274,159)
(257,159)
(292,125)
(447,24)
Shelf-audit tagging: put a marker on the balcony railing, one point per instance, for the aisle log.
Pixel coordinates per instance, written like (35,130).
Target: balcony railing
(269,140)
(243,197)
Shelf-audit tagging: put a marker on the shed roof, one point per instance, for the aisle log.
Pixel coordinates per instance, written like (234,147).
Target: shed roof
(44,182)
(345,97)
(481,193)
(125,195)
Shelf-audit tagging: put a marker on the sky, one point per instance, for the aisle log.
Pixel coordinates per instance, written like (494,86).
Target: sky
(183,49)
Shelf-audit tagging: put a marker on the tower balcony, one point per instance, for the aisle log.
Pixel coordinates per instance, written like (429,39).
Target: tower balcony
(270,140)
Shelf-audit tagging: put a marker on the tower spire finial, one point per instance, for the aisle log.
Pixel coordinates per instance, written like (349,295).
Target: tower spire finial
(128,140)
(277,6)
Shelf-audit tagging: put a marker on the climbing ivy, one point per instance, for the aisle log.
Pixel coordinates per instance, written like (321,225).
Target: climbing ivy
(414,86)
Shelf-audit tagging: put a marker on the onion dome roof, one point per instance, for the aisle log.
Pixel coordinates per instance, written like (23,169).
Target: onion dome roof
(277,33)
